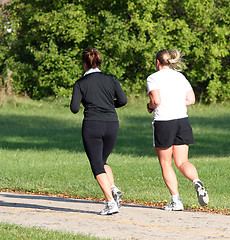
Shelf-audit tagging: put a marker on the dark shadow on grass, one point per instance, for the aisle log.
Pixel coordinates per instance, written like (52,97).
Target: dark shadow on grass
(135,135)
(40,133)
(212,136)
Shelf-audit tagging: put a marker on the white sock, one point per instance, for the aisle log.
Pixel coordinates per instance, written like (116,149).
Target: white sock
(175,198)
(111,201)
(194,181)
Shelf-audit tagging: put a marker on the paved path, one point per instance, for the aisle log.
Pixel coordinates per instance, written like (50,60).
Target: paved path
(133,222)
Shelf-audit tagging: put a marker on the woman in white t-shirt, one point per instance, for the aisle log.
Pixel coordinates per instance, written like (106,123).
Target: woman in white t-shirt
(170,93)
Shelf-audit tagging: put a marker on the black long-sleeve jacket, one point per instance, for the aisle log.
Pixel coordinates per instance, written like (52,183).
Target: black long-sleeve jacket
(100,94)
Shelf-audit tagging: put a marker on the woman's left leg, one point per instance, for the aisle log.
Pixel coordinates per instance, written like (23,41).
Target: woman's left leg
(105,185)
(109,174)
(165,159)
(169,176)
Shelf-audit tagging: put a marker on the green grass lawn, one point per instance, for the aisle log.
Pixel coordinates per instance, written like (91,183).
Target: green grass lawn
(12,232)
(41,151)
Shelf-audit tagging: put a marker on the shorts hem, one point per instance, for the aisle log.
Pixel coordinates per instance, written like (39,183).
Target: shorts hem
(175,144)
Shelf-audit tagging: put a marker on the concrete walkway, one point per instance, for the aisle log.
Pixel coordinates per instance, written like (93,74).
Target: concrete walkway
(133,222)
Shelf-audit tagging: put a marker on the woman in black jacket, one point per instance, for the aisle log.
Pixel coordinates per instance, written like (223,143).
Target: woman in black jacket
(100,94)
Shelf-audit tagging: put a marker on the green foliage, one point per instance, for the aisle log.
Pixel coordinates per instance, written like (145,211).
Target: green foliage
(48,37)
(45,57)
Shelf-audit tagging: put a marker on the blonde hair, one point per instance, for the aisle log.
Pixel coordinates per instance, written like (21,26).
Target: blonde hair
(172,59)
(92,58)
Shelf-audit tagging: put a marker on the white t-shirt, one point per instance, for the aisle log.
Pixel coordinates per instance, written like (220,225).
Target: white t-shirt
(173,87)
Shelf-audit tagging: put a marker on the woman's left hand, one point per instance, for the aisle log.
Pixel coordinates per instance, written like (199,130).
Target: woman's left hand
(150,110)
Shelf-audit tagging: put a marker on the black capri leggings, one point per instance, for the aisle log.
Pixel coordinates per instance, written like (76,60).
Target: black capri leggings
(99,138)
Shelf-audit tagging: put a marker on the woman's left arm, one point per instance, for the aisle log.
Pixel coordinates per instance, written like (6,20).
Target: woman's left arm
(155,100)
(76,99)
(190,98)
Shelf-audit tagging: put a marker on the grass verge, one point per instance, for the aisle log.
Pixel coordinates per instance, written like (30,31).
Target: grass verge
(41,151)
(13,231)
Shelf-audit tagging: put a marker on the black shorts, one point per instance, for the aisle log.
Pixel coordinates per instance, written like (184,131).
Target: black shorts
(172,132)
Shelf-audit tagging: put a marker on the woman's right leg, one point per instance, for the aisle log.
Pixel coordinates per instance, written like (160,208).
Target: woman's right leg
(165,159)
(180,156)
(109,140)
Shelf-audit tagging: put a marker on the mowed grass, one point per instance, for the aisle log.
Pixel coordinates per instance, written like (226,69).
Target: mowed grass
(41,150)
(12,232)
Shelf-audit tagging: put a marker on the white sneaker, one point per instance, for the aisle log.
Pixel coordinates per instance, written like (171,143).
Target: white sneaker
(202,195)
(117,196)
(111,208)
(174,206)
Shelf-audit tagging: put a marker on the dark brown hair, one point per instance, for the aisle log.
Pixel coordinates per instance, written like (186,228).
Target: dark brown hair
(92,58)
(172,59)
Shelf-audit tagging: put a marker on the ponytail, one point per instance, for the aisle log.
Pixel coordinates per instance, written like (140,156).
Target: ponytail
(172,59)
(92,58)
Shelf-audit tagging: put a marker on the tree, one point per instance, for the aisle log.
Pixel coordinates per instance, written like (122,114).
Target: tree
(45,57)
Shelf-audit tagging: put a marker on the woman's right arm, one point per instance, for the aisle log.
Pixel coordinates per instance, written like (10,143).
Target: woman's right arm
(190,98)
(76,99)
(121,99)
